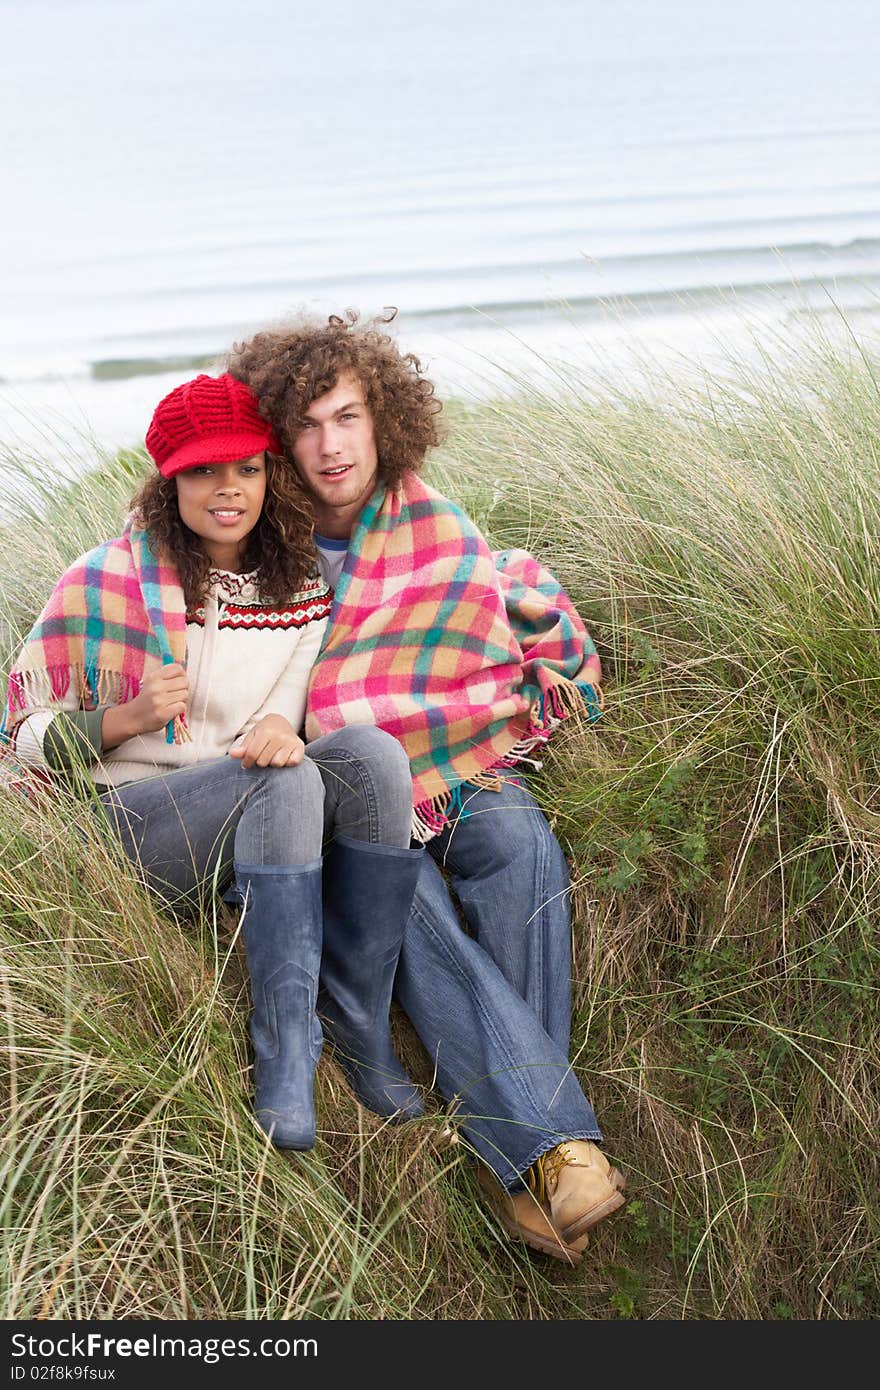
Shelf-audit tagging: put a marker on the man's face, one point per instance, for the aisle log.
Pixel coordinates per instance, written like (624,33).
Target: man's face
(335,454)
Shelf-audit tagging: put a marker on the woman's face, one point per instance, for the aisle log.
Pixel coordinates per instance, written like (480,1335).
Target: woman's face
(221,503)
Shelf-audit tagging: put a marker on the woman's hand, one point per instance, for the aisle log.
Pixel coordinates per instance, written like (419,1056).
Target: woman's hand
(273,742)
(162,696)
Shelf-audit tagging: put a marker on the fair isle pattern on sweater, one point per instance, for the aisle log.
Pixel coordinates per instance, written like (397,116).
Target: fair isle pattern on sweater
(468,659)
(308,606)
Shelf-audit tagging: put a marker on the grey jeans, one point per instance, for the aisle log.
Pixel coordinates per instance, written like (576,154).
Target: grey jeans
(185,828)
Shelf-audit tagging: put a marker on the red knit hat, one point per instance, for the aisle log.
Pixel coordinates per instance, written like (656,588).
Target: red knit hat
(212,419)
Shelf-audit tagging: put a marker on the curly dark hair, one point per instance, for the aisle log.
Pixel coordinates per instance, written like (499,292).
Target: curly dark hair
(288,367)
(280,546)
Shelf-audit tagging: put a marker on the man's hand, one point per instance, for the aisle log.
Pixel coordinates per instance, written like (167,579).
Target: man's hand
(272,743)
(162,696)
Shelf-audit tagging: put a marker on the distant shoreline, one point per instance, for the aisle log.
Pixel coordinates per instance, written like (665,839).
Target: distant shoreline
(73,417)
(123,368)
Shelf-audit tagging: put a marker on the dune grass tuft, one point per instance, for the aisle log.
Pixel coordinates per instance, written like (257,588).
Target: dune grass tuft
(722,821)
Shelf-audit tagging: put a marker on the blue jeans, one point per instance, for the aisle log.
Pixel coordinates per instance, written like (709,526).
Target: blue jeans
(511,879)
(493,1012)
(513,1089)
(185,828)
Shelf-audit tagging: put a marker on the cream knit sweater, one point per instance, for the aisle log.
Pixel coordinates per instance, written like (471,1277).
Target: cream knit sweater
(244,660)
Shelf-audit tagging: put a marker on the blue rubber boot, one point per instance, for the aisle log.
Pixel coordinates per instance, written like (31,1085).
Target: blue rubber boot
(368,892)
(281,928)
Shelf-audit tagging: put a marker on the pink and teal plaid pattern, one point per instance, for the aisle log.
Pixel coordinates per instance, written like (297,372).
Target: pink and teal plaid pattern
(468,659)
(114,615)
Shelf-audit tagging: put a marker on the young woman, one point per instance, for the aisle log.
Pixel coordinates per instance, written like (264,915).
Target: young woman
(171,664)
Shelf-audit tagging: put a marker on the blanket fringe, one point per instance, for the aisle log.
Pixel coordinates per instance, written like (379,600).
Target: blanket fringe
(566,698)
(31,690)
(431,817)
(177,730)
(28,691)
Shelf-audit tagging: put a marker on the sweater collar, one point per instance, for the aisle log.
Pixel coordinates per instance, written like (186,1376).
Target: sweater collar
(231,587)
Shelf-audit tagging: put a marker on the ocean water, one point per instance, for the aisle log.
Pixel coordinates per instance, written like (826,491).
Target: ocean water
(177,173)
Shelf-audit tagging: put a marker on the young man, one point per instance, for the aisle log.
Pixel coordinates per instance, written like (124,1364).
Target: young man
(422,642)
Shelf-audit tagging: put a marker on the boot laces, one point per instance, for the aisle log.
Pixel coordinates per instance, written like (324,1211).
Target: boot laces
(543,1175)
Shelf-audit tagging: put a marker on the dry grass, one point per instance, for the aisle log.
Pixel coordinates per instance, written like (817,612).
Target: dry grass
(722,822)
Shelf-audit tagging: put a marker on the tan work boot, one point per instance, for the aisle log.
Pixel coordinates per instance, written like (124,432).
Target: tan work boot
(526,1218)
(578,1186)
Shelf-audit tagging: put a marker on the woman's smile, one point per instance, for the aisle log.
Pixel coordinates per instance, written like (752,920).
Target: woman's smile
(223,497)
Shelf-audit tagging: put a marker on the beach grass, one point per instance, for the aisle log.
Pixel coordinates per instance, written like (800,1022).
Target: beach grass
(722,821)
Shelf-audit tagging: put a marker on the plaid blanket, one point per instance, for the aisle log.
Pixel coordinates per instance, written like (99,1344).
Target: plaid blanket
(113,616)
(469,658)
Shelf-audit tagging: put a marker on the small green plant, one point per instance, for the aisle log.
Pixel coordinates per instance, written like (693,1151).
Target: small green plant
(629,1297)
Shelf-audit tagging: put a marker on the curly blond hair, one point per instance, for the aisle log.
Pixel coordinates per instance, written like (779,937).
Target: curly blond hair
(288,367)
